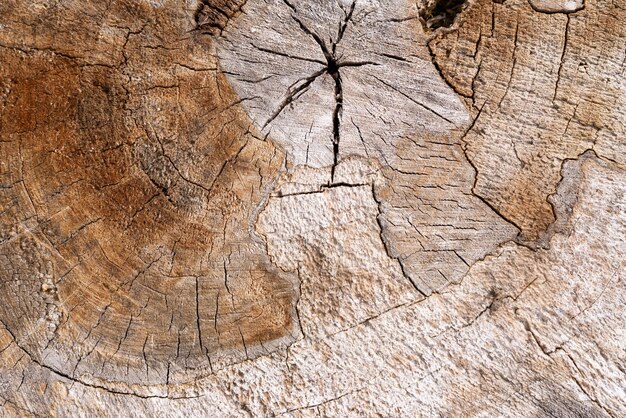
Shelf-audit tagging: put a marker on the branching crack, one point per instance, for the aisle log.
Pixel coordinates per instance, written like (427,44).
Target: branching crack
(333,65)
(296,90)
(568,356)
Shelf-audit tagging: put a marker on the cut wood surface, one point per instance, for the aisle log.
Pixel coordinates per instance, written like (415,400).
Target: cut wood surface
(313,208)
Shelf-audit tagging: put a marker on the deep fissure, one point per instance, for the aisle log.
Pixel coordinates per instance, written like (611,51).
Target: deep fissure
(332,68)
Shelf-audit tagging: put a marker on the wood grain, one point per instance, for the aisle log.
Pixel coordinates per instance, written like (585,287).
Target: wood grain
(327,208)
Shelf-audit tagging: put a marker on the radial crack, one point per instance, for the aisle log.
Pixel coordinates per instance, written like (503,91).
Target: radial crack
(332,68)
(294,93)
(336,115)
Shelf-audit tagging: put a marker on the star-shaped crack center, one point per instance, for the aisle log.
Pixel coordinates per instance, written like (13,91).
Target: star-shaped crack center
(332,69)
(365,60)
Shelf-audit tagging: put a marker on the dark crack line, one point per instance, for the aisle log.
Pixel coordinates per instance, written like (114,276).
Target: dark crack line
(379,221)
(344,25)
(562,60)
(397,90)
(333,71)
(294,93)
(284,54)
(176,169)
(87,384)
(337,112)
(433,59)
(203,349)
(315,36)
(332,68)
(484,200)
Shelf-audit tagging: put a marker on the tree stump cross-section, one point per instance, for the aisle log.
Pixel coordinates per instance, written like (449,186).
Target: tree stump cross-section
(305,208)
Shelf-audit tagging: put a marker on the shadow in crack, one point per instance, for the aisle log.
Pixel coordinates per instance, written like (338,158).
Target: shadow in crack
(440,13)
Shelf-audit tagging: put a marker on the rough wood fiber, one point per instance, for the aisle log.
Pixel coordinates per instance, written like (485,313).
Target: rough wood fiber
(335,208)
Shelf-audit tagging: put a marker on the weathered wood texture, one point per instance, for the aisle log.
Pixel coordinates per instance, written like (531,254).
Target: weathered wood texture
(302,208)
